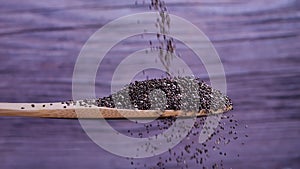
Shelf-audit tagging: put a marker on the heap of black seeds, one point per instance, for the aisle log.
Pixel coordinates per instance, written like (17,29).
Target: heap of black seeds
(179,94)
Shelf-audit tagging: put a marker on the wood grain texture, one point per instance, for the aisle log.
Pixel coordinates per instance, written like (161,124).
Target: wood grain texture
(258,43)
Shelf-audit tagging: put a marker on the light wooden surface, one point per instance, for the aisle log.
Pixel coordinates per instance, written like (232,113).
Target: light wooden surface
(258,42)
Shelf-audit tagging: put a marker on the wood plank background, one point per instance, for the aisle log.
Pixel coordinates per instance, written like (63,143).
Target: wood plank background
(258,42)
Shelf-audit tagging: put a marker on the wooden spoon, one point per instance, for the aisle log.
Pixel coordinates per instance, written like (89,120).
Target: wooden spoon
(61,110)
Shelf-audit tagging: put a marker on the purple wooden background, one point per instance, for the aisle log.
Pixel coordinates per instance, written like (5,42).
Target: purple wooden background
(258,42)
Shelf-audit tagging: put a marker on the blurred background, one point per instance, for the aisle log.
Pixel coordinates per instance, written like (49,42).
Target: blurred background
(257,41)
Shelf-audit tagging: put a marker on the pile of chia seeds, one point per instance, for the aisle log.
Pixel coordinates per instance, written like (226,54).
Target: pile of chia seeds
(179,93)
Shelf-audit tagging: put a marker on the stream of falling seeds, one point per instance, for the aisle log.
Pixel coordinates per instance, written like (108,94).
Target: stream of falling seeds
(165,45)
